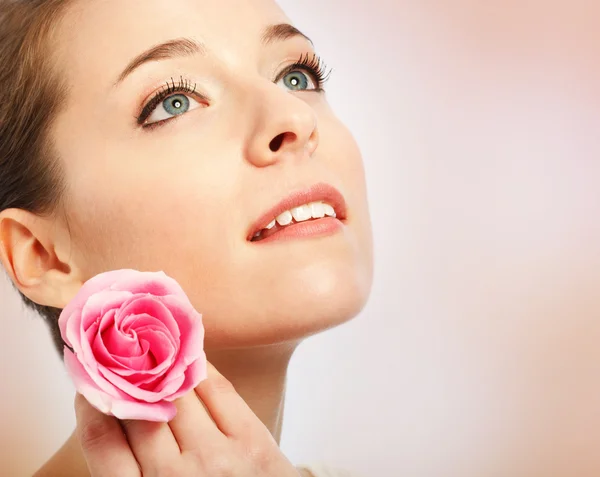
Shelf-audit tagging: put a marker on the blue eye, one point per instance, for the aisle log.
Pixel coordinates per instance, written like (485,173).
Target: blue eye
(309,73)
(298,80)
(176,104)
(172,106)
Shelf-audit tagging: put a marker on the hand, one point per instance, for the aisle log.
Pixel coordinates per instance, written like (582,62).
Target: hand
(214,434)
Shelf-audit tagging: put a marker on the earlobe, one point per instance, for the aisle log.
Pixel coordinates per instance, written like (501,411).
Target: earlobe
(27,254)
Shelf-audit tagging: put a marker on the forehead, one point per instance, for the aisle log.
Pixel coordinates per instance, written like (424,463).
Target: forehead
(112,32)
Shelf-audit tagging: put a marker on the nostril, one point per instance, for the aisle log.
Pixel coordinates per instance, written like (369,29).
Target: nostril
(276,143)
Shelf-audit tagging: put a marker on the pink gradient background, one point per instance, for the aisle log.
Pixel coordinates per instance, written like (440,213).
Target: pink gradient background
(478,352)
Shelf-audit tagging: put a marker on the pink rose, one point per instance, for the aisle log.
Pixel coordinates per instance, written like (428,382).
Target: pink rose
(137,344)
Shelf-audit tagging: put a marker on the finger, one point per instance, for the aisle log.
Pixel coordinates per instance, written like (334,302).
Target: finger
(227,408)
(193,426)
(103,443)
(153,444)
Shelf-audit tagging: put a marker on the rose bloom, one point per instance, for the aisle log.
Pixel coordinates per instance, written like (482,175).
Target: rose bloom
(134,343)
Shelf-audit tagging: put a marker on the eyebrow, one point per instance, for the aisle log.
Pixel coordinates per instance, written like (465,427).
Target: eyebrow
(182,47)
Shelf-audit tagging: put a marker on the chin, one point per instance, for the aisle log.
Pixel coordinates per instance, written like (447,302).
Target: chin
(296,289)
(331,294)
(300,304)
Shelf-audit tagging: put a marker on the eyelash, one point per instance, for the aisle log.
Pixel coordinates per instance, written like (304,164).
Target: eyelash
(184,86)
(314,65)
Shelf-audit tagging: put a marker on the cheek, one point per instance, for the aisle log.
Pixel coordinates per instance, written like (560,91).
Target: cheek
(341,151)
(148,223)
(348,162)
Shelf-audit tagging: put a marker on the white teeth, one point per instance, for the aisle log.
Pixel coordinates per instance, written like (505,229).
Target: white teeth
(329,210)
(314,210)
(302,213)
(317,210)
(271,225)
(285,218)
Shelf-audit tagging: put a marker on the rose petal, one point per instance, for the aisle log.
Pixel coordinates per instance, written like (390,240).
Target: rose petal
(190,324)
(85,353)
(194,375)
(161,344)
(139,323)
(102,355)
(123,351)
(87,356)
(92,369)
(134,375)
(121,343)
(143,362)
(120,408)
(128,280)
(162,411)
(149,383)
(71,331)
(135,391)
(97,283)
(87,337)
(124,365)
(153,306)
(169,384)
(107,359)
(84,384)
(100,304)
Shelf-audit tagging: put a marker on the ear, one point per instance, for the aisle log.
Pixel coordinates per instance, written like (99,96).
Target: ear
(33,251)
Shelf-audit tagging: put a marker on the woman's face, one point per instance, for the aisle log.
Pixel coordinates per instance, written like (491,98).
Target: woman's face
(234,136)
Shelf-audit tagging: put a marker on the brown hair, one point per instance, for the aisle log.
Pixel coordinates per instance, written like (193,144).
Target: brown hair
(32,93)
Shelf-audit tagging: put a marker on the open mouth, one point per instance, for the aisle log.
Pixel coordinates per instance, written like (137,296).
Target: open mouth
(304,213)
(318,210)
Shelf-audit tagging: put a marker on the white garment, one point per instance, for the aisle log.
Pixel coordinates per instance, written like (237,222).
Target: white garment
(322,470)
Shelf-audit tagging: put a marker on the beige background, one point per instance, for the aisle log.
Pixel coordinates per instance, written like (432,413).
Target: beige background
(478,354)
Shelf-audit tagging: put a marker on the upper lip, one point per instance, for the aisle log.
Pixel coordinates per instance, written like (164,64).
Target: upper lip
(319,192)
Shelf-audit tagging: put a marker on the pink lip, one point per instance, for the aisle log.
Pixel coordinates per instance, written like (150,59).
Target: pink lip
(319,192)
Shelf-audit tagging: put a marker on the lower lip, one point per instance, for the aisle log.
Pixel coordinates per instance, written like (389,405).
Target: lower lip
(309,229)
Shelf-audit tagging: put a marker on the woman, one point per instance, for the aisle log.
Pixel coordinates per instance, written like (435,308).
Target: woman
(192,137)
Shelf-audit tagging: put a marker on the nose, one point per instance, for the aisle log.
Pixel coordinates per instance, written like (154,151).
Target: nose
(284,125)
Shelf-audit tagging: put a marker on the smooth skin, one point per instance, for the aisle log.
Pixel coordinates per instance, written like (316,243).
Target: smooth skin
(182,197)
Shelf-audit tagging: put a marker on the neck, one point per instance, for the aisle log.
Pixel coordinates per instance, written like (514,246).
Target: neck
(258,375)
